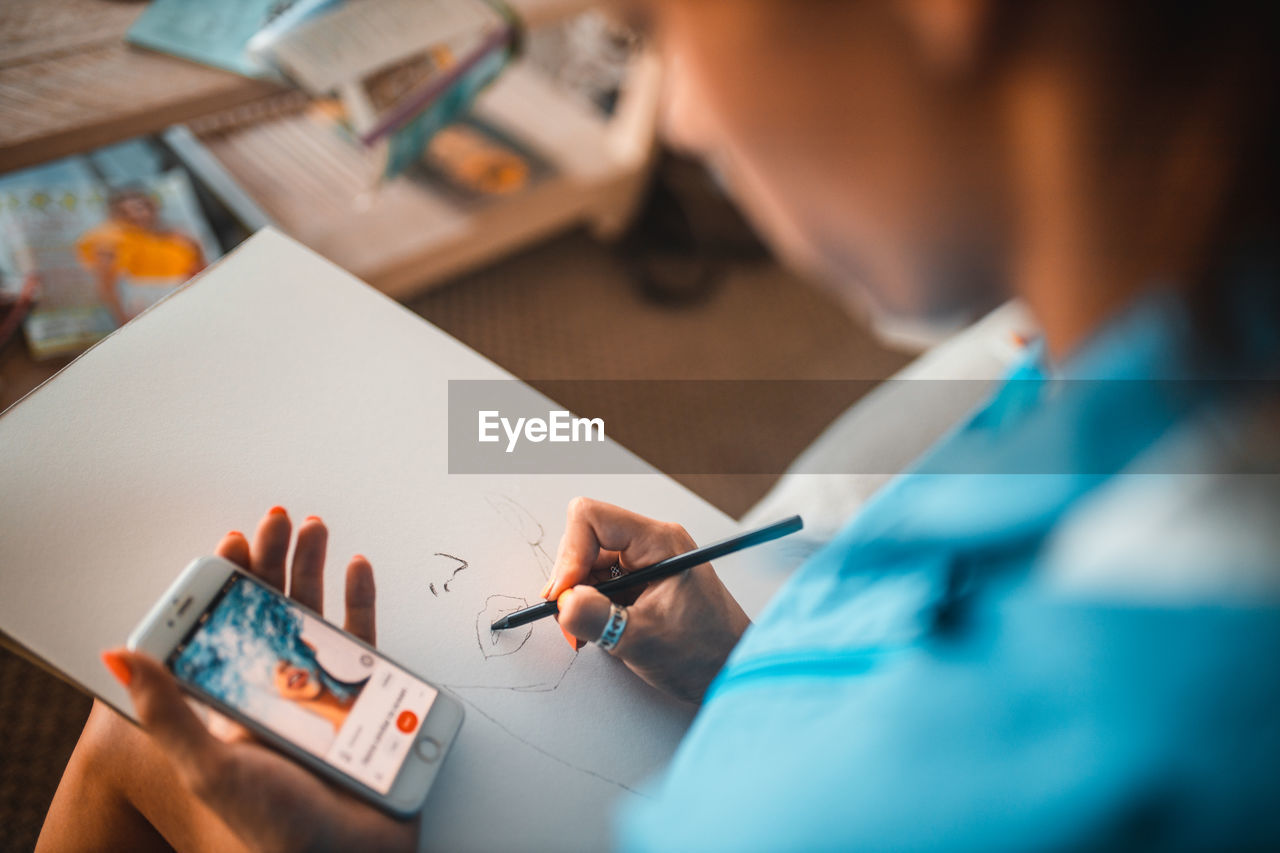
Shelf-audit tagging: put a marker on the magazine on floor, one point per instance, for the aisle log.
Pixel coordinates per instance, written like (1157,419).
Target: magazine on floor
(96,254)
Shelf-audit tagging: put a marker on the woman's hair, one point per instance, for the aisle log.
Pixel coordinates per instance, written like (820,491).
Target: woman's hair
(1157,58)
(249,631)
(126,192)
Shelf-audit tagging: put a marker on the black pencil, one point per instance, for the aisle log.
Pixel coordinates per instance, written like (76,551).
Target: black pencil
(662,569)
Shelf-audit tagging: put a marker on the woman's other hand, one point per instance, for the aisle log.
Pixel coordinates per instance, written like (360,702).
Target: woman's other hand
(679,630)
(268,801)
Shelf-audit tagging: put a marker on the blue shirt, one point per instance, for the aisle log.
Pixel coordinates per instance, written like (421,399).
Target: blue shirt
(916,684)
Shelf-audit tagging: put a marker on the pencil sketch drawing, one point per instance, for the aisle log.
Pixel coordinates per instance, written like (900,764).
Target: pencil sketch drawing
(498,643)
(529,528)
(551,755)
(532,658)
(458,565)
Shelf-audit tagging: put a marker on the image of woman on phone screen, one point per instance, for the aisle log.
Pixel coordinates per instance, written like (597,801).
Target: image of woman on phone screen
(259,654)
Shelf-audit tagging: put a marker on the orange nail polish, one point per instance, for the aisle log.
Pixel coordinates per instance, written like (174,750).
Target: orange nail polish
(360,557)
(312,518)
(235,533)
(546,589)
(118,667)
(277,510)
(570,639)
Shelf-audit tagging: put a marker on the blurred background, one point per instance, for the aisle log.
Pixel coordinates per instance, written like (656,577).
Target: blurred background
(542,223)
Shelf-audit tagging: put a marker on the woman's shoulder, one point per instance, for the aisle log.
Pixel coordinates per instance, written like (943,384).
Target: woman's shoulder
(1193,519)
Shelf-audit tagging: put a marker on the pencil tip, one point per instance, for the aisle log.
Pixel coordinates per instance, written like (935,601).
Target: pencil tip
(499,625)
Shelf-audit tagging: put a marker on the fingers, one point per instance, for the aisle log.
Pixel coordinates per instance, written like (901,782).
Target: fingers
(599,570)
(306,579)
(361,596)
(234,547)
(195,754)
(595,526)
(267,557)
(271,547)
(583,614)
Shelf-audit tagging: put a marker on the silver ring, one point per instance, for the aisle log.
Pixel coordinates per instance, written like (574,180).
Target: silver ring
(613,629)
(615,571)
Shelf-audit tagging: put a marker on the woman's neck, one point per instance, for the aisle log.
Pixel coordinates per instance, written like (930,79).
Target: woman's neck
(1097,227)
(330,707)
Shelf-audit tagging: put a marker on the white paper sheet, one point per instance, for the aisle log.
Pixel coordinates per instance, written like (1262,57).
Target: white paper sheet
(276,378)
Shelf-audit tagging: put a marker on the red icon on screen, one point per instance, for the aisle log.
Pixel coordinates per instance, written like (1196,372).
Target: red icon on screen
(407,721)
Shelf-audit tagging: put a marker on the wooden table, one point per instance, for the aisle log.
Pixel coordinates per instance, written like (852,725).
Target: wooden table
(68,81)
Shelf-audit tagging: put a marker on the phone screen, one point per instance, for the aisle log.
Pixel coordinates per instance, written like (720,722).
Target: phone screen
(305,680)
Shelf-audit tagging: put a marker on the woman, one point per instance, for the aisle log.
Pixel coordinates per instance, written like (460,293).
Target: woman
(135,258)
(310,691)
(258,653)
(1021,643)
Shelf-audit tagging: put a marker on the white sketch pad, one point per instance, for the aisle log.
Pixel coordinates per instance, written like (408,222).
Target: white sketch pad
(276,378)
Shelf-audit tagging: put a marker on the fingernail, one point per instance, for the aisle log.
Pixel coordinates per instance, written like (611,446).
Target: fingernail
(568,638)
(235,533)
(546,589)
(118,666)
(312,518)
(360,557)
(278,510)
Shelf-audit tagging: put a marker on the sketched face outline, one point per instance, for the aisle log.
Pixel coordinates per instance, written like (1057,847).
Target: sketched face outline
(532,657)
(499,643)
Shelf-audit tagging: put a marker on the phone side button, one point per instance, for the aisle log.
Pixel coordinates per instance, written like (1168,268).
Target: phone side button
(428,749)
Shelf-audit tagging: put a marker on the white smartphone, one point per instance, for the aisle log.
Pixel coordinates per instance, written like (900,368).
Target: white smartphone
(314,692)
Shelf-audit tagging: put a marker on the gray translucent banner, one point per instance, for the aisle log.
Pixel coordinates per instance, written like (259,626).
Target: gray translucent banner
(682,427)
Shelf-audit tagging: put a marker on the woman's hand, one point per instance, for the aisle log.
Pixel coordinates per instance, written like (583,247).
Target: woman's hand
(679,630)
(269,802)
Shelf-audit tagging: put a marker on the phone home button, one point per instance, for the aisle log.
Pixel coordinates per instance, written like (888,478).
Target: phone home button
(428,749)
